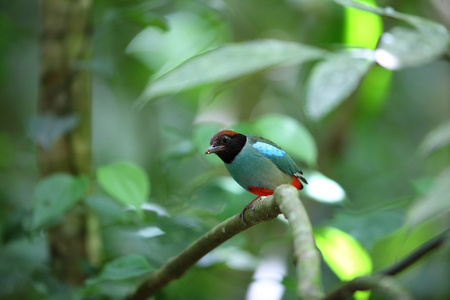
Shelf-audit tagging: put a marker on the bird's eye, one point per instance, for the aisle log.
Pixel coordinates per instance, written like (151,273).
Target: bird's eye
(225,139)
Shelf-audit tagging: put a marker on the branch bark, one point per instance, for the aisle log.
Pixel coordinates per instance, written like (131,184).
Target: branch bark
(306,254)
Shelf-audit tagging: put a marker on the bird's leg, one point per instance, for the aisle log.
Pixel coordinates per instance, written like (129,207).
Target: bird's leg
(251,205)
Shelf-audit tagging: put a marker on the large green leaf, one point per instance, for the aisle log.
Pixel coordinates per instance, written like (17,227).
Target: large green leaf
(403,47)
(125,182)
(54,195)
(122,268)
(228,62)
(333,80)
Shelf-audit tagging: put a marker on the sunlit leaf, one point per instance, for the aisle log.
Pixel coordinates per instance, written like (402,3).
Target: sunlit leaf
(362,29)
(323,189)
(234,257)
(122,268)
(334,79)
(54,195)
(435,203)
(227,63)
(436,139)
(342,253)
(404,47)
(158,209)
(125,182)
(150,232)
(286,132)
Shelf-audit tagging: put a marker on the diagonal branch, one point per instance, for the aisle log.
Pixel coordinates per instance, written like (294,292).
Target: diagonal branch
(285,198)
(383,280)
(384,284)
(417,254)
(175,267)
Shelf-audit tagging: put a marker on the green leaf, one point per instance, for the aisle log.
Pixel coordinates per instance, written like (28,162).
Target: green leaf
(342,253)
(436,139)
(228,62)
(333,80)
(54,195)
(362,29)
(323,189)
(125,182)
(402,47)
(286,132)
(123,268)
(434,204)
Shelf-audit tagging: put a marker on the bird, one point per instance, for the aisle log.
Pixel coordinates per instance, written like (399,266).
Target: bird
(255,163)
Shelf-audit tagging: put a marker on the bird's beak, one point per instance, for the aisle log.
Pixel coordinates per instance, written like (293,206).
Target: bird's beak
(213,149)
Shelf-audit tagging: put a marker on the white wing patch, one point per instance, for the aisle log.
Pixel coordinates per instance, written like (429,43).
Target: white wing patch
(268,149)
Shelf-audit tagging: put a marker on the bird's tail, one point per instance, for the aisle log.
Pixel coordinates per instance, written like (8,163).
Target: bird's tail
(300,176)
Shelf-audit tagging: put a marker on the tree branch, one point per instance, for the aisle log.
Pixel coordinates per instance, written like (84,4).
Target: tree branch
(384,284)
(416,254)
(175,267)
(306,253)
(285,199)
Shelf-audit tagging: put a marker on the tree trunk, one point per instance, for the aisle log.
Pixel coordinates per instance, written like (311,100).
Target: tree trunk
(65,92)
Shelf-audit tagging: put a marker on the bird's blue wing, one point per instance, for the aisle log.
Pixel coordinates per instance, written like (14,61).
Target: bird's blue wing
(274,152)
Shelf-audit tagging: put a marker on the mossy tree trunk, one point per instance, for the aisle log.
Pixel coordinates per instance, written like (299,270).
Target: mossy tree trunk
(65,93)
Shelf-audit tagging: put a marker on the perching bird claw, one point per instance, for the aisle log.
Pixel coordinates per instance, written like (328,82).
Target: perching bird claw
(250,206)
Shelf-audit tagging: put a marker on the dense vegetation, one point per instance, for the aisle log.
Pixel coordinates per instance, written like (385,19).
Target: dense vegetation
(108,106)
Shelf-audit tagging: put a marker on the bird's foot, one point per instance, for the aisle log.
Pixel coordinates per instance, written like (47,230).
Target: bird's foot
(250,206)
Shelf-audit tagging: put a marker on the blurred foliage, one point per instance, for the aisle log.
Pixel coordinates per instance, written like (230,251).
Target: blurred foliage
(374,121)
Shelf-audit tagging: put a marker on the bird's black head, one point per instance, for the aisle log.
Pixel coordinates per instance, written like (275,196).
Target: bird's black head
(226,144)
